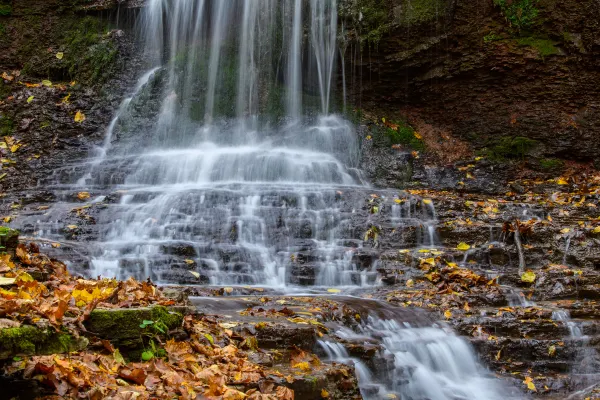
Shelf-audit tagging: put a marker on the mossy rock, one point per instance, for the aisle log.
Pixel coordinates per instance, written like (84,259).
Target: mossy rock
(9,240)
(122,326)
(415,12)
(30,340)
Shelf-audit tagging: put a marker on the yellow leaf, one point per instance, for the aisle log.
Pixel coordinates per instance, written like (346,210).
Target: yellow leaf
(418,136)
(529,382)
(209,338)
(397,201)
(369,137)
(118,357)
(87,295)
(15,147)
(55,245)
(304,366)
(596,229)
(528,277)
(60,55)
(47,83)
(467,308)
(430,261)
(79,117)
(410,283)
(427,201)
(552,350)
(565,230)
(196,274)
(7,219)
(324,394)
(448,314)
(188,262)
(83,195)
(3,145)
(478,158)
(228,290)
(333,290)
(383,120)
(498,355)
(30,99)
(562,181)
(463,246)
(72,227)
(470,175)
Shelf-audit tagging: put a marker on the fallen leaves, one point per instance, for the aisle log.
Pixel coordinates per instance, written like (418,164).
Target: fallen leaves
(204,366)
(79,117)
(83,196)
(529,383)
(528,277)
(463,246)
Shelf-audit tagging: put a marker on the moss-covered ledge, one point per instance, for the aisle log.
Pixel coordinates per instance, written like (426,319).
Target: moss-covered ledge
(9,240)
(122,325)
(30,340)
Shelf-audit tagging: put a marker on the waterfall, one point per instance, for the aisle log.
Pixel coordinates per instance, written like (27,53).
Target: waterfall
(233,161)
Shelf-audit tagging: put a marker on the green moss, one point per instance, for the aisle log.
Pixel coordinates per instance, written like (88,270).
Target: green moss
(544,46)
(30,340)
(89,54)
(551,163)
(520,14)
(370,19)
(7,126)
(5,10)
(511,148)
(385,136)
(419,11)
(491,37)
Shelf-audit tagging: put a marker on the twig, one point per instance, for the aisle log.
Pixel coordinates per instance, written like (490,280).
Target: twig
(519,248)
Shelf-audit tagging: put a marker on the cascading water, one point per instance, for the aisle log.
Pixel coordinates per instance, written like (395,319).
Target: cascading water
(243,138)
(427,362)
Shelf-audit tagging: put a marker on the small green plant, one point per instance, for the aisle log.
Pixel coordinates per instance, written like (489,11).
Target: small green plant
(157,326)
(153,328)
(520,14)
(511,148)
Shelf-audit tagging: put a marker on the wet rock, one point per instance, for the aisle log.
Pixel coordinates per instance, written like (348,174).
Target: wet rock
(283,336)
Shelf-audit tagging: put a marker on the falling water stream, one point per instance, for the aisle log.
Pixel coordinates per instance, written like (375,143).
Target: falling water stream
(227,162)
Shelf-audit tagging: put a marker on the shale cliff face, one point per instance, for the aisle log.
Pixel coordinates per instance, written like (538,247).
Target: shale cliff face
(513,78)
(58,58)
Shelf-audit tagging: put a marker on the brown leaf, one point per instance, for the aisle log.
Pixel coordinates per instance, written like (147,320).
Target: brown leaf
(136,375)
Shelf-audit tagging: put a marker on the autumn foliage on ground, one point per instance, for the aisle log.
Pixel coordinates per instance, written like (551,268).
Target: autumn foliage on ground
(210,363)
